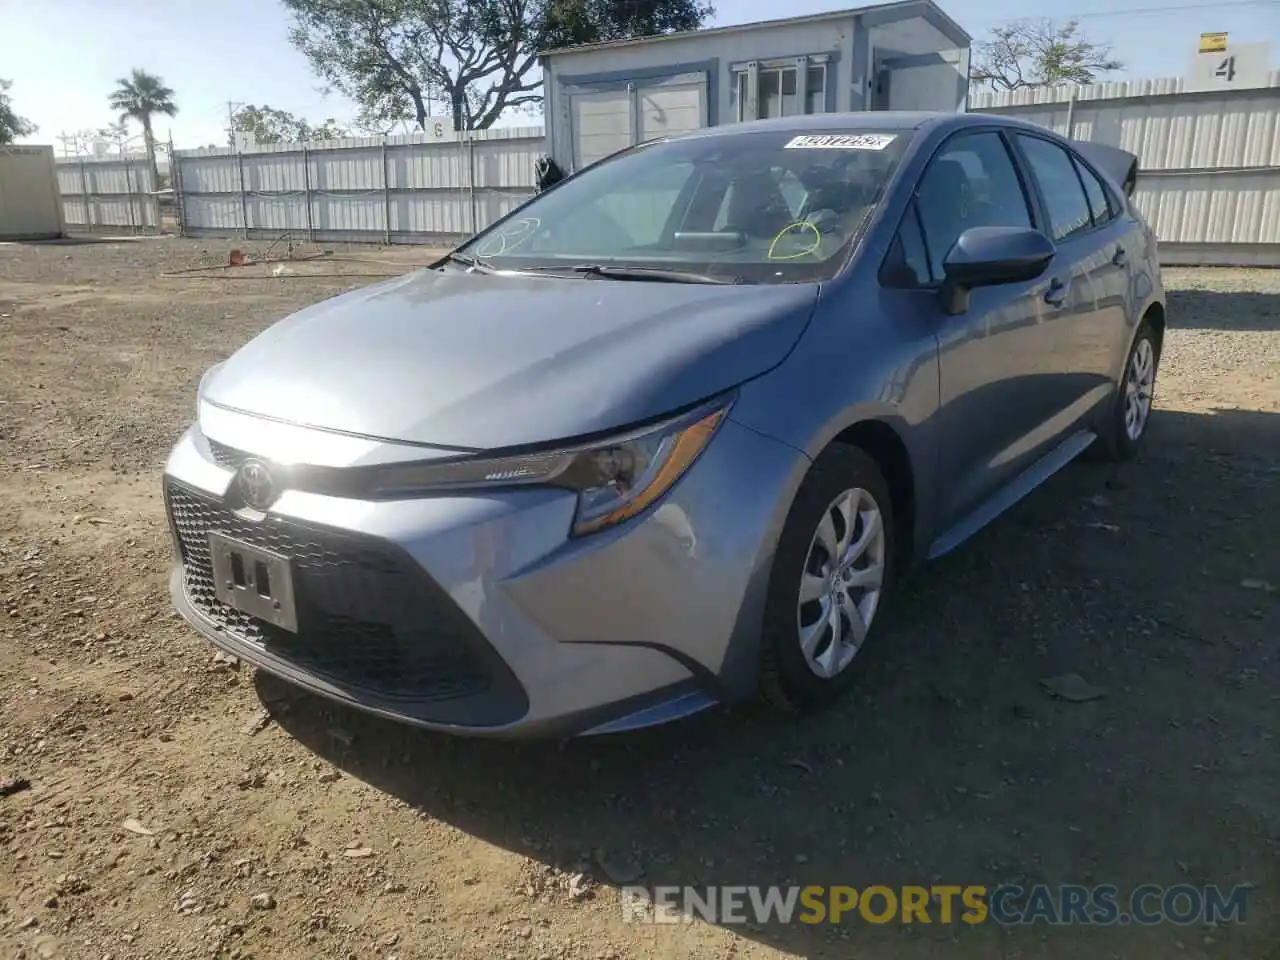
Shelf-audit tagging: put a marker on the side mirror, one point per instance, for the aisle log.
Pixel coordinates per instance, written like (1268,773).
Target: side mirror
(989,256)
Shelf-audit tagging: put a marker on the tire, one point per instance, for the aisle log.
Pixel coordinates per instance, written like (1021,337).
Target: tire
(787,679)
(1116,441)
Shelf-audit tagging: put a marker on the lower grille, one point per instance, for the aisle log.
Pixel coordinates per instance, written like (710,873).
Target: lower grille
(369,620)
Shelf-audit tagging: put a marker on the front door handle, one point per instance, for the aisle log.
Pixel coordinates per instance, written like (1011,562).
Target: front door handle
(1056,295)
(1120,258)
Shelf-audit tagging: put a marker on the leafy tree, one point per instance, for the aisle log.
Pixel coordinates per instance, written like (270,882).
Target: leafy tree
(393,57)
(1040,53)
(12,126)
(140,96)
(269,125)
(330,129)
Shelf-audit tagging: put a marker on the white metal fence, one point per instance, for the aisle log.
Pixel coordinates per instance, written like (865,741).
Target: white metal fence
(408,189)
(108,193)
(1209,181)
(1209,163)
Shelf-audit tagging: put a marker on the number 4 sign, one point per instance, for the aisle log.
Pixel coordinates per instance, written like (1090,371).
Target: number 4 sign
(1229,66)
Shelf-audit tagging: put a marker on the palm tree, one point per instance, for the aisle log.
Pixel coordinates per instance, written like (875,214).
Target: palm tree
(140,95)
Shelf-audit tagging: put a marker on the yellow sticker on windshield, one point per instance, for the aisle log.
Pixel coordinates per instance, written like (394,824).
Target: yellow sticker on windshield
(790,230)
(842,141)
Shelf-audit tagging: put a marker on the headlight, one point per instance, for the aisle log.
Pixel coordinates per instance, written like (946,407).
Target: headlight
(615,479)
(619,480)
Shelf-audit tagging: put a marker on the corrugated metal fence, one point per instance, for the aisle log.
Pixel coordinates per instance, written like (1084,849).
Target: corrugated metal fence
(1209,178)
(108,193)
(1209,182)
(408,189)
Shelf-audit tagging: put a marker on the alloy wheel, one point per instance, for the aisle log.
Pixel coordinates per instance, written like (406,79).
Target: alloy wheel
(1138,388)
(841,583)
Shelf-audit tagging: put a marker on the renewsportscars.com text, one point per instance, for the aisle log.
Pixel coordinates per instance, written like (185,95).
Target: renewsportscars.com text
(1007,904)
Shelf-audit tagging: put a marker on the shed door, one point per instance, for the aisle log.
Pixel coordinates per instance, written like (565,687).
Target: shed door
(601,124)
(942,85)
(673,106)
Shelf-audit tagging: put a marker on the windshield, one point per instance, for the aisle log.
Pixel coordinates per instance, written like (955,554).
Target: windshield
(766,207)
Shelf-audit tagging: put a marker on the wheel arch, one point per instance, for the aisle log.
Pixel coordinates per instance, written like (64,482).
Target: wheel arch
(888,447)
(884,445)
(850,457)
(1152,311)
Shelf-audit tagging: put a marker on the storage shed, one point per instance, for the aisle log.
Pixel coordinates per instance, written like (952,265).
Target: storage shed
(30,204)
(604,97)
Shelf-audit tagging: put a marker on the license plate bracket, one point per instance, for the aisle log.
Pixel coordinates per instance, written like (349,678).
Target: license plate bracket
(254,581)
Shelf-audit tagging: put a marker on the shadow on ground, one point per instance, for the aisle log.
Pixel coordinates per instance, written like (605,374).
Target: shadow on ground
(1243,310)
(951,764)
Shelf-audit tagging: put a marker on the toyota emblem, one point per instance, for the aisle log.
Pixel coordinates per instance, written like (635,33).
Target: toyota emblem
(256,486)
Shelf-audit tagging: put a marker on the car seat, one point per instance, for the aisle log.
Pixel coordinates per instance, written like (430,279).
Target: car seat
(757,207)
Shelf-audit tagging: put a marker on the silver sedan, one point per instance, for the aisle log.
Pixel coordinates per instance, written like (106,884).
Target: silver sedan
(668,434)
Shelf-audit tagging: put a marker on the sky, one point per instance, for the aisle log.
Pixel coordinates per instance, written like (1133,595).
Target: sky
(64,56)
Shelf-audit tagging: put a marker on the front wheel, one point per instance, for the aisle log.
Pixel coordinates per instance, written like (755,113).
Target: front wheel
(830,574)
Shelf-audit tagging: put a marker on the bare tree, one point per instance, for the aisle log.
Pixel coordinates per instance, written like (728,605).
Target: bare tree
(117,133)
(78,143)
(1040,53)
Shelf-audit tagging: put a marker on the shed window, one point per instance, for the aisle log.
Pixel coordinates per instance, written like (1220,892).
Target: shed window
(778,93)
(783,88)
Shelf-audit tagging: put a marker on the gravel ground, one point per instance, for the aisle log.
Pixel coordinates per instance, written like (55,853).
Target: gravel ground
(167,816)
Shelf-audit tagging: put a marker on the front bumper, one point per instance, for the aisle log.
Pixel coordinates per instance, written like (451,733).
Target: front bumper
(478,614)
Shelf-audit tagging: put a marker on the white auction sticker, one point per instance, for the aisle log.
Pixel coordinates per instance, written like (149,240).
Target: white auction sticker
(842,141)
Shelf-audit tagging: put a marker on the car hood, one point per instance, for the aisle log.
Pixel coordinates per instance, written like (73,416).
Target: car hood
(478,362)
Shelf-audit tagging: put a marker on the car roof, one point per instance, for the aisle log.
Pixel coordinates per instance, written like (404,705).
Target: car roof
(872,120)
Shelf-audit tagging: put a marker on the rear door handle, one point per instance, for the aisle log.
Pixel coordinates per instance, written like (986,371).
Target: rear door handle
(1120,258)
(1056,295)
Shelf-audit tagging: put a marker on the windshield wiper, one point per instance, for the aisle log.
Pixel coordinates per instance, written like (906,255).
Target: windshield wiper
(656,274)
(471,263)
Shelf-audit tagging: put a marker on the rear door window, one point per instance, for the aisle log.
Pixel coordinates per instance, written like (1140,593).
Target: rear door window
(1064,195)
(1099,198)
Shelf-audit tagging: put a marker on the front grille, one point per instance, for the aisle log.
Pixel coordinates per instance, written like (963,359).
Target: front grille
(369,619)
(228,457)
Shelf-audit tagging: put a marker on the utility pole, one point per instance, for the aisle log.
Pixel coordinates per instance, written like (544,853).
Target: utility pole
(232,105)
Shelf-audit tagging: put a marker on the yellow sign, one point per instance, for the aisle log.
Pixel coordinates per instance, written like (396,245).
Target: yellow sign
(1213,42)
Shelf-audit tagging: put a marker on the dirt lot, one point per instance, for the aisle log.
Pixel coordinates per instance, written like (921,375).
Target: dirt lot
(157,808)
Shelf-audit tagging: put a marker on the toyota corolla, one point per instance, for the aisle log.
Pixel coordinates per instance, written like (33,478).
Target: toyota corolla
(668,434)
